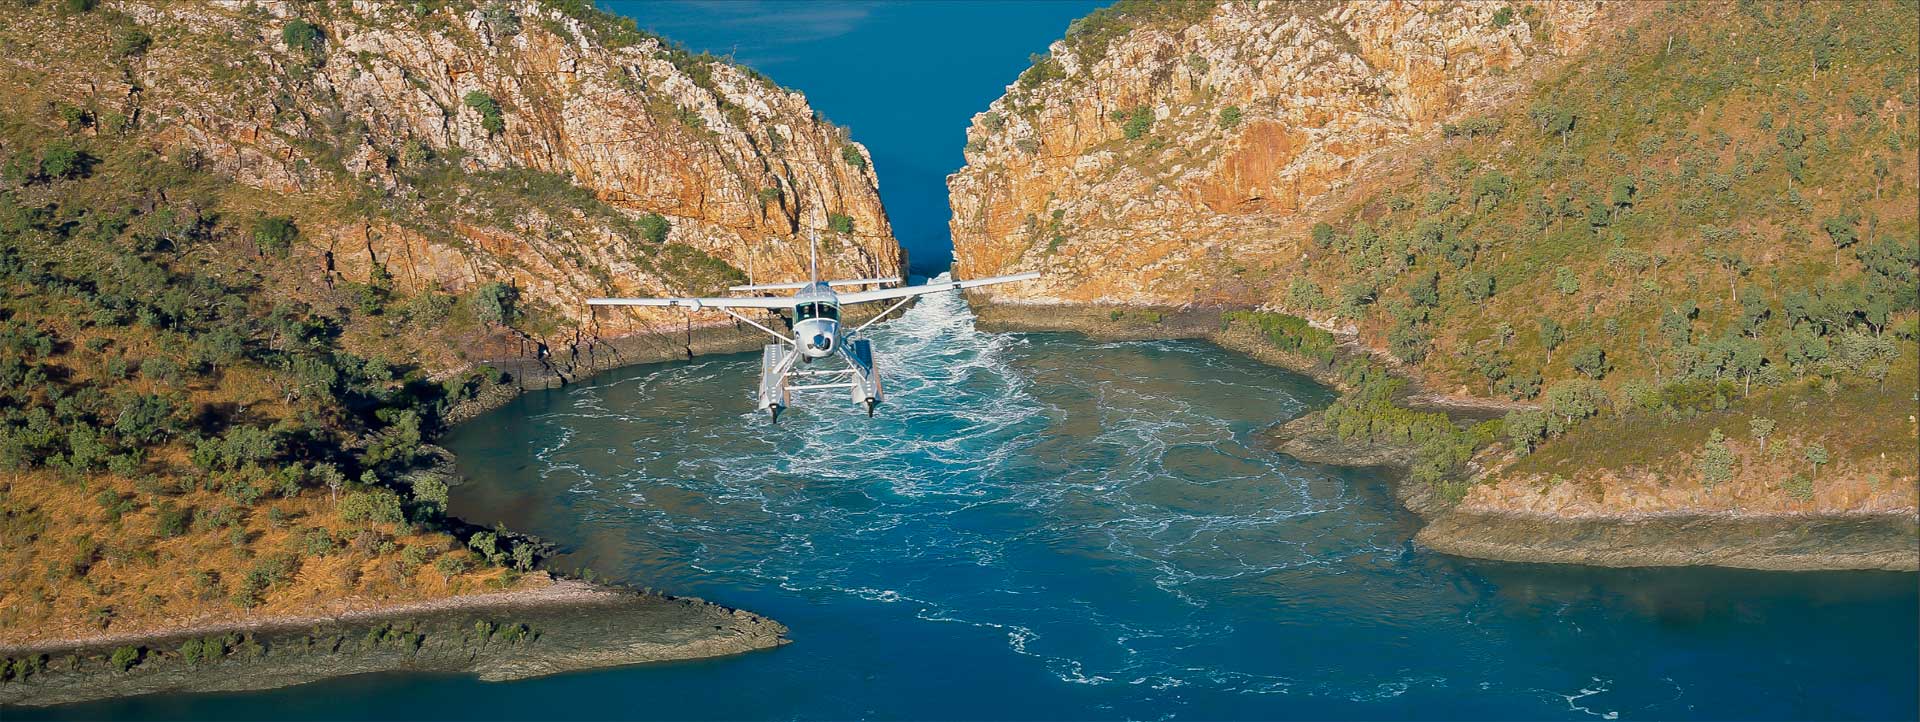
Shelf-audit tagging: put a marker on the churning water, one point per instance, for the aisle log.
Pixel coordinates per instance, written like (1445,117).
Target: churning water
(1036,526)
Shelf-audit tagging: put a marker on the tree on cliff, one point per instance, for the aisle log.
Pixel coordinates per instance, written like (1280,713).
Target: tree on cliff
(494,303)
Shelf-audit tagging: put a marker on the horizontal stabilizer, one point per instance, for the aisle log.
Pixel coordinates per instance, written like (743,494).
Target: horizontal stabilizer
(800,285)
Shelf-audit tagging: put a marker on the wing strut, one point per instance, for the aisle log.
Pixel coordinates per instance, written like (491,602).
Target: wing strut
(756,324)
(883,314)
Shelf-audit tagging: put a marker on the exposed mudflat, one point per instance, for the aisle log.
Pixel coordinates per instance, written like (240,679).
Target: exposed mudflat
(564,627)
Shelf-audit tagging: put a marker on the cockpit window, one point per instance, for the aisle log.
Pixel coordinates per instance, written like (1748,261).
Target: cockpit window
(817,310)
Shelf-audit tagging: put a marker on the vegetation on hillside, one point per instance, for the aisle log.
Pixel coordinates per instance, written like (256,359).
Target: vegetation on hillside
(198,414)
(1677,226)
(179,431)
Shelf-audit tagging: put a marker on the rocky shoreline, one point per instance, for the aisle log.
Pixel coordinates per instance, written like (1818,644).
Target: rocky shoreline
(561,627)
(1784,542)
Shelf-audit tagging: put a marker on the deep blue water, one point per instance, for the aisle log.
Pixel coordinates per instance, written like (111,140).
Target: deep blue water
(907,77)
(1042,527)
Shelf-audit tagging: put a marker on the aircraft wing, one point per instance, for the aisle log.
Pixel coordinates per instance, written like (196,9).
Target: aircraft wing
(698,303)
(800,285)
(848,299)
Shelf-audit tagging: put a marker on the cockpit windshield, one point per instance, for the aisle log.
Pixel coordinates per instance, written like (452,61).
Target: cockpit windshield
(817,310)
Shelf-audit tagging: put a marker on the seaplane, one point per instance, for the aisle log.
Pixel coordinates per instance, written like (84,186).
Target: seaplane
(788,365)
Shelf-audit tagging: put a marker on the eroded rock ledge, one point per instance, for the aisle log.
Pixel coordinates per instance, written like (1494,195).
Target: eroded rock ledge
(565,626)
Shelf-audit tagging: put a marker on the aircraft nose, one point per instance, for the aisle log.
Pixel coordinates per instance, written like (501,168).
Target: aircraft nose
(820,341)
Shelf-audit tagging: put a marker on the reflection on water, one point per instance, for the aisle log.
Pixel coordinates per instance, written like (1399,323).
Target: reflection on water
(1042,527)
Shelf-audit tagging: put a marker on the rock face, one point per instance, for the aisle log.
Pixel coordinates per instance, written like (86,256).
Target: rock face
(427,115)
(1160,166)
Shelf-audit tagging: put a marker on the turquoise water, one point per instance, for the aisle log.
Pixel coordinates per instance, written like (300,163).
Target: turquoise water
(907,77)
(1041,527)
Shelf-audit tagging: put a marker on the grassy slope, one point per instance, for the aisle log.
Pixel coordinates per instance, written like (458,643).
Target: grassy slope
(1685,139)
(135,278)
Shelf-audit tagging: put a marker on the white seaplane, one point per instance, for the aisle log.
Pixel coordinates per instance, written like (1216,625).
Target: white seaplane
(817,331)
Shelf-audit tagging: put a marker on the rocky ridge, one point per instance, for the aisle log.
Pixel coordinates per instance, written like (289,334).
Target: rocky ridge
(1254,114)
(404,112)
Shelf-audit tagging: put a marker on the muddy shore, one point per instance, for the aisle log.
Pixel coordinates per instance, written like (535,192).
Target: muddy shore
(1788,542)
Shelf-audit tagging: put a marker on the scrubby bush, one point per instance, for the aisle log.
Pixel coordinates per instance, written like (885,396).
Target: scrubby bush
(374,506)
(491,118)
(1716,459)
(1322,235)
(125,657)
(1288,333)
(494,303)
(275,234)
(302,36)
(62,160)
(654,228)
(1229,117)
(1136,123)
(853,156)
(172,521)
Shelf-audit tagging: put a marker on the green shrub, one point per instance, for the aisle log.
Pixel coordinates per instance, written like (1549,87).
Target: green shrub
(840,223)
(1229,117)
(275,234)
(1798,486)
(1043,68)
(451,566)
(194,651)
(62,160)
(853,157)
(495,303)
(125,657)
(1323,235)
(130,41)
(1288,333)
(1716,459)
(1138,123)
(171,521)
(654,228)
(1525,429)
(1570,401)
(1592,361)
(1565,281)
(377,506)
(302,36)
(1817,455)
(491,118)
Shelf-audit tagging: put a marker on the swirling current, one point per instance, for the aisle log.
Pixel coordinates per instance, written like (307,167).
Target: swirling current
(1042,527)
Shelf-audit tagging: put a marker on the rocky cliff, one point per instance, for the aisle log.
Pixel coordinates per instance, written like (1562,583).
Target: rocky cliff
(253,255)
(1165,156)
(454,144)
(1673,243)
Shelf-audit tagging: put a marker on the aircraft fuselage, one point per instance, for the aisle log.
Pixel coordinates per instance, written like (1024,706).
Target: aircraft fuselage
(816,321)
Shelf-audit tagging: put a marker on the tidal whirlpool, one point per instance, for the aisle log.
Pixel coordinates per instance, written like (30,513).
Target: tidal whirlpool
(1042,527)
